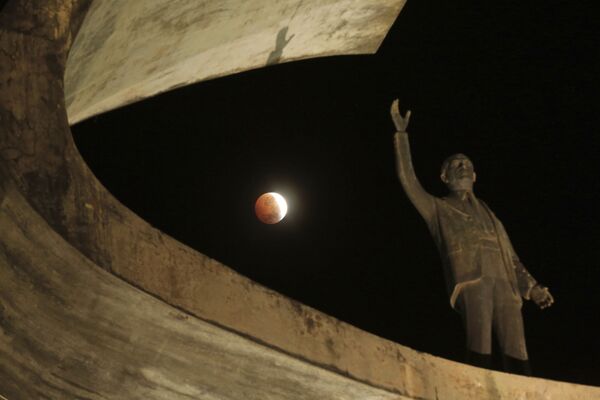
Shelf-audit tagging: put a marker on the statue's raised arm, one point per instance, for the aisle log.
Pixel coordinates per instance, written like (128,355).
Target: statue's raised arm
(423,201)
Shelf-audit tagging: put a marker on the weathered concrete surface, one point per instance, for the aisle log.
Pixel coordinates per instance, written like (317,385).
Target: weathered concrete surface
(58,225)
(130,50)
(71,330)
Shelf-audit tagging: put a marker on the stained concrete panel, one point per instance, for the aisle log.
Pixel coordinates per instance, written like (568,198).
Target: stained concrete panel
(129,50)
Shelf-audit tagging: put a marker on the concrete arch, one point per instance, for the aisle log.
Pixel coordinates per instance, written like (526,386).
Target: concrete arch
(177,324)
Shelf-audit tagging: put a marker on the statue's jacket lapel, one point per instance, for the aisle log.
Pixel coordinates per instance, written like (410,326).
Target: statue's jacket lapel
(458,238)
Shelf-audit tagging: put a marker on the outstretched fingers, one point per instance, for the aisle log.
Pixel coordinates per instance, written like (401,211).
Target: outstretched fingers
(548,300)
(400,122)
(395,108)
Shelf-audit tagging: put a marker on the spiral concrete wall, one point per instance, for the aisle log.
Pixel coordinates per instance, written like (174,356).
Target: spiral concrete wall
(97,304)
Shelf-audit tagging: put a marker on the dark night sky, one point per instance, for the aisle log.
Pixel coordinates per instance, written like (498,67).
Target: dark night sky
(514,85)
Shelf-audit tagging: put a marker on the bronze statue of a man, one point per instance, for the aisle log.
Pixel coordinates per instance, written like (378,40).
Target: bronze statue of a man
(486,281)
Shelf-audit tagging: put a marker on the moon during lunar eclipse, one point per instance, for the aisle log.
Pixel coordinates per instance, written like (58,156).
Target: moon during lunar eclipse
(270,208)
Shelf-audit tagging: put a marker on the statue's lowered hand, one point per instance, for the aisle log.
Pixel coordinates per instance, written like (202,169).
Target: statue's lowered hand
(400,122)
(541,296)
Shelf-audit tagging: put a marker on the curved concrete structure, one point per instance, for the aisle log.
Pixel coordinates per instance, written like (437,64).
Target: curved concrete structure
(130,50)
(184,326)
(70,330)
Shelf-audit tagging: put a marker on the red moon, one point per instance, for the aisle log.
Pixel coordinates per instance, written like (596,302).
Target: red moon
(270,208)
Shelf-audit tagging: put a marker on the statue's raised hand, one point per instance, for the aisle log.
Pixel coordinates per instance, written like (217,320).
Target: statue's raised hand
(400,122)
(541,296)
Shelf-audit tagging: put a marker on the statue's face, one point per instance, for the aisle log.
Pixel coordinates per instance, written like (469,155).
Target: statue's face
(459,173)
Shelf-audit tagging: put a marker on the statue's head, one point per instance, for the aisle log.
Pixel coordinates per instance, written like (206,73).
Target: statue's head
(458,173)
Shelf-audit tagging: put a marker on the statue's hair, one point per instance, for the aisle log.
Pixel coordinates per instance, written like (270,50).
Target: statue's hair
(448,160)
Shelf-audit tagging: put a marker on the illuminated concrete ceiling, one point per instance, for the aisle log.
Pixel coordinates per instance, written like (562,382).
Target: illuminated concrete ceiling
(129,50)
